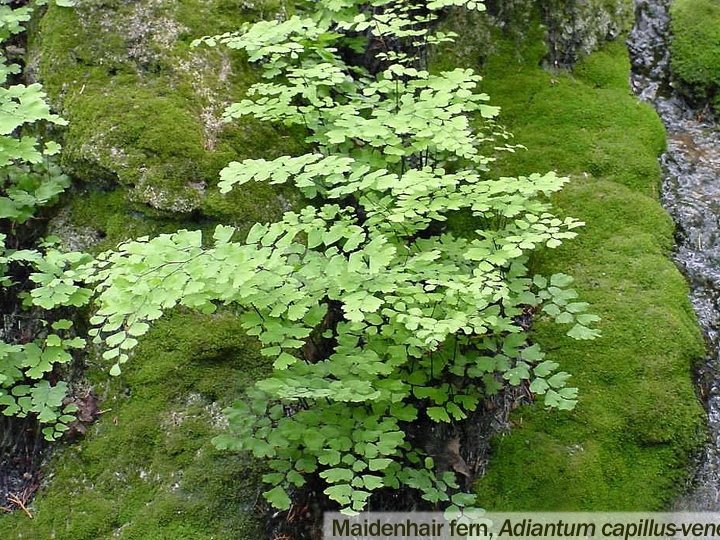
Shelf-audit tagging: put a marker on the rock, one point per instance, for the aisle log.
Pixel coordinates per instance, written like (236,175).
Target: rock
(576,28)
(144,106)
(573,28)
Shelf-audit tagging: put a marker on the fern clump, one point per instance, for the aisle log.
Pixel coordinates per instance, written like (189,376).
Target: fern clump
(372,311)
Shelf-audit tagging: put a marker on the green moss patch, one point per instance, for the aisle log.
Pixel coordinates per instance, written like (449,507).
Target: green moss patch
(147,469)
(695,47)
(628,443)
(144,107)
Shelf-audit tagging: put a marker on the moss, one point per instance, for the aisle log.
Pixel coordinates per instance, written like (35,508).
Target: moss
(147,469)
(628,443)
(109,214)
(581,121)
(624,448)
(695,47)
(144,108)
(638,408)
(602,70)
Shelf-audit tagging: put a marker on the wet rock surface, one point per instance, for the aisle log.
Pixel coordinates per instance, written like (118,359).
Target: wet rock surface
(691,193)
(574,28)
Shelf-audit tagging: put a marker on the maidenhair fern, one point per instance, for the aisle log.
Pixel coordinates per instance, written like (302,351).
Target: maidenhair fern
(372,311)
(29,181)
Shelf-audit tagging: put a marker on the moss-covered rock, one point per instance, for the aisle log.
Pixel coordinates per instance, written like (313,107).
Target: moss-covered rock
(574,28)
(95,220)
(147,469)
(628,444)
(695,48)
(144,107)
(146,143)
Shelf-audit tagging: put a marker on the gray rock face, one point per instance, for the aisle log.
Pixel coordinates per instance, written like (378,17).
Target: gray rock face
(578,27)
(575,28)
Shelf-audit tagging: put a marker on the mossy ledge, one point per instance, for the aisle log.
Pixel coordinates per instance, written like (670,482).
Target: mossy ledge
(695,49)
(143,114)
(629,443)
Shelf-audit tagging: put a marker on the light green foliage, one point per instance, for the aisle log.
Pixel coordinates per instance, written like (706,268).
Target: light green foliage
(29,187)
(61,3)
(371,310)
(29,181)
(24,367)
(12,20)
(695,47)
